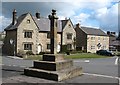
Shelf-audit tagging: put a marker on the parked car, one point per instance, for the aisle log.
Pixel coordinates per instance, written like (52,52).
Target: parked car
(104,52)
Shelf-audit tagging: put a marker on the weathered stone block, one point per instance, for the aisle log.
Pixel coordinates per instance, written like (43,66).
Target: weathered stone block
(53,66)
(53,57)
(54,75)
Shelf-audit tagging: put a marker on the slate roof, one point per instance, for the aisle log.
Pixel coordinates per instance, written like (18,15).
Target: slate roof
(19,20)
(93,31)
(64,22)
(44,24)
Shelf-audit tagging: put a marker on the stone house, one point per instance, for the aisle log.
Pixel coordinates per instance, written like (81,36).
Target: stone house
(112,39)
(91,39)
(32,33)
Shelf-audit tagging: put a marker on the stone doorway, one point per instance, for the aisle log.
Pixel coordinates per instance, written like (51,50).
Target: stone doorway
(39,48)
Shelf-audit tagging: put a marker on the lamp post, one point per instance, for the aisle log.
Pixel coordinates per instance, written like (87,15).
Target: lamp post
(13,42)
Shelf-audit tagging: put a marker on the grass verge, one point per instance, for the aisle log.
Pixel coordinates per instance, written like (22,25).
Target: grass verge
(33,57)
(72,56)
(84,55)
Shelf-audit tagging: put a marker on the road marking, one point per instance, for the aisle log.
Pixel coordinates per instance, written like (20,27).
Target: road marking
(13,65)
(101,75)
(116,61)
(87,61)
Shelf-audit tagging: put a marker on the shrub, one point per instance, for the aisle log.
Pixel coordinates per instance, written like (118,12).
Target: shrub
(20,53)
(29,53)
(64,48)
(74,52)
(41,53)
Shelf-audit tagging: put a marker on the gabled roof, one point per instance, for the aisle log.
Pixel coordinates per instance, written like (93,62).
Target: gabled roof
(93,31)
(44,24)
(19,20)
(64,22)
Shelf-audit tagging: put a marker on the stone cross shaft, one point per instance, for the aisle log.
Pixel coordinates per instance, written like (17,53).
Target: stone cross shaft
(53,32)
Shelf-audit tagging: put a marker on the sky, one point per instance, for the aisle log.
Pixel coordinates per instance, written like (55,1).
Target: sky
(101,14)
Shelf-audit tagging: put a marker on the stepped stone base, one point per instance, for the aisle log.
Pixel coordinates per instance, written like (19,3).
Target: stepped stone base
(54,75)
(53,67)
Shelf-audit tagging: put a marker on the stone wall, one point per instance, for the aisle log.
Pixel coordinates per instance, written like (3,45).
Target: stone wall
(24,26)
(81,39)
(92,44)
(43,40)
(68,29)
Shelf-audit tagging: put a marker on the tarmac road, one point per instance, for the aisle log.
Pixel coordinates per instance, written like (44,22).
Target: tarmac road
(104,66)
(101,70)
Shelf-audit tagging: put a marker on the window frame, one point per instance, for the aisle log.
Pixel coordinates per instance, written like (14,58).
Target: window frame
(48,35)
(92,47)
(28,34)
(69,36)
(48,46)
(27,46)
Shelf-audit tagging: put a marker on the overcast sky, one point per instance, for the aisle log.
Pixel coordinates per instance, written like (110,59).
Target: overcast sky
(100,14)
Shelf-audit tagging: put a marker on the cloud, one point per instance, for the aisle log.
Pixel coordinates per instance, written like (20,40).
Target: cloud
(5,22)
(97,13)
(108,18)
(81,18)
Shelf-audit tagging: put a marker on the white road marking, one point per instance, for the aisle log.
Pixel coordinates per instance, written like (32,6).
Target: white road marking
(116,61)
(87,61)
(101,75)
(14,65)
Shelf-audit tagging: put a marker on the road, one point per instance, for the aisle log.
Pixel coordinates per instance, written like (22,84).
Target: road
(104,66)
(96,70)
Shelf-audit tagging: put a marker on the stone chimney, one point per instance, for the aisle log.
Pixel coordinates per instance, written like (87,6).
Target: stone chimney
(118,38)
(78,25)
(14,19)
(108,32)
(37,15)
(113,33)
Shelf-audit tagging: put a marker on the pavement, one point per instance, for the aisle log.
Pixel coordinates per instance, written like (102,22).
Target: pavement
(98,71)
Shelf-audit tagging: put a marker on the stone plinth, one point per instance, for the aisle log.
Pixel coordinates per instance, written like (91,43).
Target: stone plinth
(53,67)
(53,57)
(54,75)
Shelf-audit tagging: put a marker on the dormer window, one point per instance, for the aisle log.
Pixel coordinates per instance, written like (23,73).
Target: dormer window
(28,21)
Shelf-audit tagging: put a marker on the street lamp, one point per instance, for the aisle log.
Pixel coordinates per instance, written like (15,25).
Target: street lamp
(13,42)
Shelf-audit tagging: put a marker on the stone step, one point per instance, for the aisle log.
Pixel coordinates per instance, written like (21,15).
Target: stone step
(53,66)
(54,75)
(53,57)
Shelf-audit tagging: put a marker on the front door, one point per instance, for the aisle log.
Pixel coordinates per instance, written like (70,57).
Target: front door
(39,48)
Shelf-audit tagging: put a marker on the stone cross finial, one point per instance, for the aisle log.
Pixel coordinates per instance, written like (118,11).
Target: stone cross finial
(53,32)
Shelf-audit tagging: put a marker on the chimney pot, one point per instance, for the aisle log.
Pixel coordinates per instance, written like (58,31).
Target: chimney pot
(108,32)
(78,25)
(37,15)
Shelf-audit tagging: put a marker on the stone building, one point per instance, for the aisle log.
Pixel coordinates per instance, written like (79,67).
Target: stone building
(91,39)
(32,33)
(112,39)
